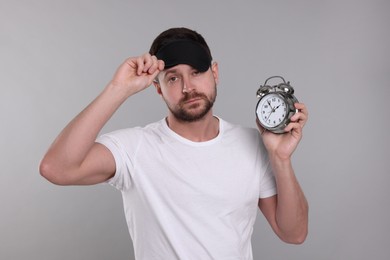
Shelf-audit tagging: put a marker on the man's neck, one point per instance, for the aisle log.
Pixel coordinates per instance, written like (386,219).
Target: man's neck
(202,130)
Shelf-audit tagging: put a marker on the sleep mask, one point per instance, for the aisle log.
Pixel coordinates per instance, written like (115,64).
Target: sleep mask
(184,52)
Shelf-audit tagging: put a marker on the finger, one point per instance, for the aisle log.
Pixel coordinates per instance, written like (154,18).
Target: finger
(151,65)
(153,76)
(154,65)
(302,115)
(294,128)
(262,130)
(301,108)
(144,63)
(299,118)
(140,61)
(148,62)
(161,65)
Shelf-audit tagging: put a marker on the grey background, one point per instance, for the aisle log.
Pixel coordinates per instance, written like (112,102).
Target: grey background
(56,56)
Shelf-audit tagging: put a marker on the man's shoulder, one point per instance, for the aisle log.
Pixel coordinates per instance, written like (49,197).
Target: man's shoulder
(230,127)
(136,131)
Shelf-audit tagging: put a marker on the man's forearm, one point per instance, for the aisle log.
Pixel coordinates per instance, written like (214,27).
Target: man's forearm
(292,206)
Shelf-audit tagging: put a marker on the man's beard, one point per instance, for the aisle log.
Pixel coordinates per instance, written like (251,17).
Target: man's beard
(191,113)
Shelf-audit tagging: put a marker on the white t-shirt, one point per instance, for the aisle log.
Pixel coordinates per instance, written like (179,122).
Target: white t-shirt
(190,200)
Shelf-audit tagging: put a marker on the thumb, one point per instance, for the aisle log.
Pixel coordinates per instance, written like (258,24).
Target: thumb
(160,67)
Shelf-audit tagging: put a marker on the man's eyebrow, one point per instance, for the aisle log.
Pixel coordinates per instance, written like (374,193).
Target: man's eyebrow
(170,71)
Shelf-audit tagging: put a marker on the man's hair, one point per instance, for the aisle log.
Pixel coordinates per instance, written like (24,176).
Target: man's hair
(174,34)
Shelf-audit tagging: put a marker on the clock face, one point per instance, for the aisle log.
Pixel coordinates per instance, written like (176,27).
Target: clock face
(271,110)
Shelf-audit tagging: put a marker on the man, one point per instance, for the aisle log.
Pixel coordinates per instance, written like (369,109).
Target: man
(192,182)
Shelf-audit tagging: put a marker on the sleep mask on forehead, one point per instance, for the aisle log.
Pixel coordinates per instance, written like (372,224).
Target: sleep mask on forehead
(184,52)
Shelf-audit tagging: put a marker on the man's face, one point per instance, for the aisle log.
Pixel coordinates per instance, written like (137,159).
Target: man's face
(189,94)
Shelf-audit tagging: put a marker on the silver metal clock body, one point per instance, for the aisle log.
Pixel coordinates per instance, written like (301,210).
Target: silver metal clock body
(275,106)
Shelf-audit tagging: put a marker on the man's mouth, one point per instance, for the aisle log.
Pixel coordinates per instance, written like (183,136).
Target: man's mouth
(193,98)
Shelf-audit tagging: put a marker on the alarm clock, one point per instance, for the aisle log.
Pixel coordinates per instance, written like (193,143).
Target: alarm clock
(276,105)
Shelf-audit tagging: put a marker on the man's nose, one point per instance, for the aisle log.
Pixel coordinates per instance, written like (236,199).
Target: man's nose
(187,86)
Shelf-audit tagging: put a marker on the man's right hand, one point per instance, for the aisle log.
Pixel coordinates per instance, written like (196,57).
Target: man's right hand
(137,73)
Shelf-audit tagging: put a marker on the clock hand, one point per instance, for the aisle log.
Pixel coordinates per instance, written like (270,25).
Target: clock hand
(272,109)
(270,113)
(269,103)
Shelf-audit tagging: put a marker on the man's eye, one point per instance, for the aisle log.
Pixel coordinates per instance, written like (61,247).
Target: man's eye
(195,73)
(173,79)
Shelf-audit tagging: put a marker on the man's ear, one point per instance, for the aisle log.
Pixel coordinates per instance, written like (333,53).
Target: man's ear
(157,86)
(214,70)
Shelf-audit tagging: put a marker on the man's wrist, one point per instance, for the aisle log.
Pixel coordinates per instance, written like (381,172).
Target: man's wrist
(118,91)
(281,164)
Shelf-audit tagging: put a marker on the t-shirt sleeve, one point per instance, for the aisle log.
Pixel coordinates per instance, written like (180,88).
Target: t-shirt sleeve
(122,178)
(268,183)
(267,180)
